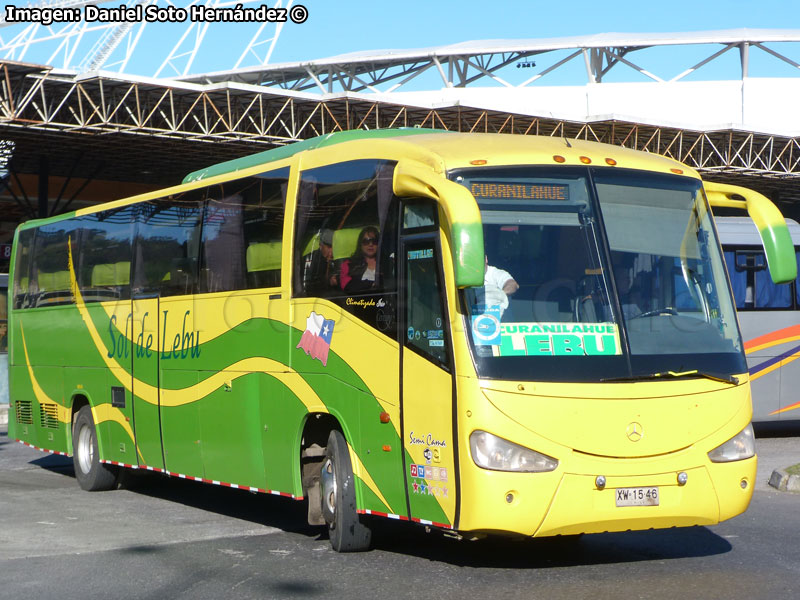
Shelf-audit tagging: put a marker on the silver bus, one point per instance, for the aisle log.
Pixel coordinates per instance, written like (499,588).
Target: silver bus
(769,317)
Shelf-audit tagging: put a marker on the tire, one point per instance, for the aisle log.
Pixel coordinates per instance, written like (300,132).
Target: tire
(337,489)
(92,475)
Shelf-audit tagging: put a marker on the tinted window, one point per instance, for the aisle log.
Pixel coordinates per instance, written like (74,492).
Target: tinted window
(21,289)
(50,274)
(753,288)
(243,233)
(346,230)
(105,261)
(424,311)
(167,245)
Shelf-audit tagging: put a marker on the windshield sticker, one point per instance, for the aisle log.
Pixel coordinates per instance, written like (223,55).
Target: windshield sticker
(420,254)
(558,339)
(486,325)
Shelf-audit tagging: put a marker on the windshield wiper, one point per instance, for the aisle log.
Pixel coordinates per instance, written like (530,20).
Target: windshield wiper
(675,375)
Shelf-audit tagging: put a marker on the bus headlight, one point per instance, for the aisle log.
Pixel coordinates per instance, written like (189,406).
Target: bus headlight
(739,447)
(497,454)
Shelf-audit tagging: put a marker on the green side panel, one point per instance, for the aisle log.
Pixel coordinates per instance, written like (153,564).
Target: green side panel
(119,446)
(230,422)
(283,416)
(38,422)
(56,336)
(779,249)
(54,436)
(19,388)
(146,428)
(181,428)
(282,152)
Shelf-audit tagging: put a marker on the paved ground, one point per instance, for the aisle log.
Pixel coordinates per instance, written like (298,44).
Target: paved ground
(168,538)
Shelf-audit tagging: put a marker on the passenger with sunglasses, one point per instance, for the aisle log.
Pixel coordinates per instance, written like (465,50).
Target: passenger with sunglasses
(357,273)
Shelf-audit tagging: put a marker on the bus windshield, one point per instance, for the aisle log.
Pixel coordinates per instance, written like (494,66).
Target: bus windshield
(597,274)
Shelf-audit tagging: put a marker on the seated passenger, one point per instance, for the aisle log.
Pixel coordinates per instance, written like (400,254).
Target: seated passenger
(358,272)
(319,272)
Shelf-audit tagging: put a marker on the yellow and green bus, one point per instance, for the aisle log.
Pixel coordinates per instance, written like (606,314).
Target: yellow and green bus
(419,325)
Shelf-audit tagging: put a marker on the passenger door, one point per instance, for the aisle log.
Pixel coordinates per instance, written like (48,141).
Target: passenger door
(427,386)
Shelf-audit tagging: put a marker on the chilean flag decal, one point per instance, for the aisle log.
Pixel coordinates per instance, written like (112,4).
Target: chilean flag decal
(316,340)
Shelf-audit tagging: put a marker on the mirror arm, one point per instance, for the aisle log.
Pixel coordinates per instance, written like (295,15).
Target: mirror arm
(416,180)
(769,221)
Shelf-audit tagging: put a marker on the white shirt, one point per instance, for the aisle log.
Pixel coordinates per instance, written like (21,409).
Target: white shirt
(493,281)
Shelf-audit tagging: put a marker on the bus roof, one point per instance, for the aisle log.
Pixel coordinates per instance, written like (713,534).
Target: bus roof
(741,231)
(329,139)
(457,150)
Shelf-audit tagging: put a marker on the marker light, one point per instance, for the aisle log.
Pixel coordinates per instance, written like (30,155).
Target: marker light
(497,454)
(611,161)
(586,160)
(478,161)
(559,159)
(385,418)
(739,447)
(677,171)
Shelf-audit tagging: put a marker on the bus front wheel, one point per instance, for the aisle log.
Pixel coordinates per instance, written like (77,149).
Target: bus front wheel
(347,532)
(92,475)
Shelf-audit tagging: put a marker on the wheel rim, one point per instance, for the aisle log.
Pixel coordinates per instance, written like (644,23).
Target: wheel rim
(328,484)
(85,449)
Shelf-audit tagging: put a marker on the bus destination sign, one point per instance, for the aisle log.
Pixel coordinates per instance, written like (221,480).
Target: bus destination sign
(520,191)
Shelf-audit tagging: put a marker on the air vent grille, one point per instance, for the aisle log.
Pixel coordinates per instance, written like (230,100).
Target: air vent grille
(24,412)
(49,415)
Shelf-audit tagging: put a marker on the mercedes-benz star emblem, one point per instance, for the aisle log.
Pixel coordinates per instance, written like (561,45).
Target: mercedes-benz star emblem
(635,432)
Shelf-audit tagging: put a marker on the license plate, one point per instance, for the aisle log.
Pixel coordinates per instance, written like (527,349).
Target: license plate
(642,496)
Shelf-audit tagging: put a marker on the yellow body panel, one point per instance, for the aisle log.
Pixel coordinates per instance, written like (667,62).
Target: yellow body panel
(567,500)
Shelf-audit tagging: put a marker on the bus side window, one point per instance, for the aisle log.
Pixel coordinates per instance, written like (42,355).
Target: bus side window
(243,233)
(167,246)
(21,284)
(105,259)
(767,293)
(50,270)
(337,206)
(752,285)
(738,279)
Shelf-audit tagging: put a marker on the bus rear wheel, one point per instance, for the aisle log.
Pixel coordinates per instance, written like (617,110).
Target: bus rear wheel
(337,486)
(92,475)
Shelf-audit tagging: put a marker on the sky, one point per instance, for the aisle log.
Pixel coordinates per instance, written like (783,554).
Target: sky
(347,25)
(336,27)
